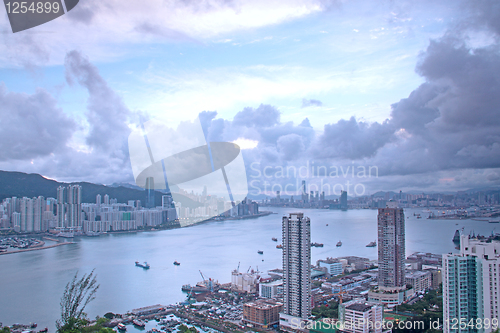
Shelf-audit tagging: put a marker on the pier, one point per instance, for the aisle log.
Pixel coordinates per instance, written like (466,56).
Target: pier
(37,248)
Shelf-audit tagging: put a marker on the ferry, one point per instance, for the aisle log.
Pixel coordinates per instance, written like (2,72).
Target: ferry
(372,244)
(260,252)
(176,263)
(121,327)
(275,239)
(145,265)
(339,243)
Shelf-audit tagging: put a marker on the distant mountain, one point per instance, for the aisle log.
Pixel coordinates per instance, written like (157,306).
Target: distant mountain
(18,184)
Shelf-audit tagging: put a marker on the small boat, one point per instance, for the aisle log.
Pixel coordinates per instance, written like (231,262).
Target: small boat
(260,252)
(145,265)
(327,224)
(138,322)
(372,244)
(317,244)
(176,263)
(275,239)
(339,243)
(493,221)
(121,327)
(43,330)
(279,246)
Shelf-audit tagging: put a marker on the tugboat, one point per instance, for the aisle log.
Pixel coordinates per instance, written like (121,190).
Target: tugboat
(176,263)
(275,239)
(145,265)
(372,244)
(339,243)
(121,327)
(260,252)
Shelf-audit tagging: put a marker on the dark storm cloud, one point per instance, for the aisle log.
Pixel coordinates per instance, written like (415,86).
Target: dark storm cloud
(31,125)
(310,102)
(352,139)
(106,114)
(484,14)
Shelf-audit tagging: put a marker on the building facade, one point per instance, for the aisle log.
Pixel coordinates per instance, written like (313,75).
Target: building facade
(296,234)
(359,316)
(471,286)
(391,248)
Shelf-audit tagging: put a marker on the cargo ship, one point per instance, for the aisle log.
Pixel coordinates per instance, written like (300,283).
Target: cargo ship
(145,265)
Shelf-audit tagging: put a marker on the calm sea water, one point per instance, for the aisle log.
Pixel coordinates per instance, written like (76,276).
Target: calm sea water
(32,283)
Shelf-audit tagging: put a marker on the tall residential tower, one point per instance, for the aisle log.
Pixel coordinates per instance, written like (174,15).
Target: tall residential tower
(296,271)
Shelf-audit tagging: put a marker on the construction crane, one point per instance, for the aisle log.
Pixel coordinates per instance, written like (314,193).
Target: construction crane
(340,293)
(208,283)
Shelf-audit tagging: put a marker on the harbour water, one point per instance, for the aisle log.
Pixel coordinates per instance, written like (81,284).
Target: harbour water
(32,283)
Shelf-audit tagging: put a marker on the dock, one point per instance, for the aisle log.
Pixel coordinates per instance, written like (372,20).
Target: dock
(37,248)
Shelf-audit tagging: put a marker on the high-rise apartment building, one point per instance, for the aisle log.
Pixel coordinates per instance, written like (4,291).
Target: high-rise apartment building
(61,207)
(69,207)
(391,248)
(296,234)
(74,206)
(471,287)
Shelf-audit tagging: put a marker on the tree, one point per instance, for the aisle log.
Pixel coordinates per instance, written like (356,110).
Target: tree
(77,295)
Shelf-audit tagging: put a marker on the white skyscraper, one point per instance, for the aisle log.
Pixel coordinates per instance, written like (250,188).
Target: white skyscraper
(471,287)
(61,207)
(296,271)
(74,206)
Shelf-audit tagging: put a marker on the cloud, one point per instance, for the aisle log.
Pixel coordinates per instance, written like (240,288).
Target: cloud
(32,125)
(352,139)
(263,116)
(310,102)
(106,114)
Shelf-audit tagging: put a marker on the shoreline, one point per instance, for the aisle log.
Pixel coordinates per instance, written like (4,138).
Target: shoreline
(36,248)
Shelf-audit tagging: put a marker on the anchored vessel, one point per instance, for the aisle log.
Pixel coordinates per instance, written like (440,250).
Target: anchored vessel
(145,265)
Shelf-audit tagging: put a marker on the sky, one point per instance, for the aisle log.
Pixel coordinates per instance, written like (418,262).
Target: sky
(387,95)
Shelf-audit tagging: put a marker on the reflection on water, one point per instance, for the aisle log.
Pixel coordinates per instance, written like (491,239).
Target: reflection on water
(33,282)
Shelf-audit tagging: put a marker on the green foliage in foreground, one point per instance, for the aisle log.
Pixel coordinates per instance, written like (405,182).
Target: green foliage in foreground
(82,326)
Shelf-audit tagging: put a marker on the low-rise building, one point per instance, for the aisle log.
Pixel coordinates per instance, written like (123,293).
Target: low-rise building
(262,313)
(420,280)
(359,316)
